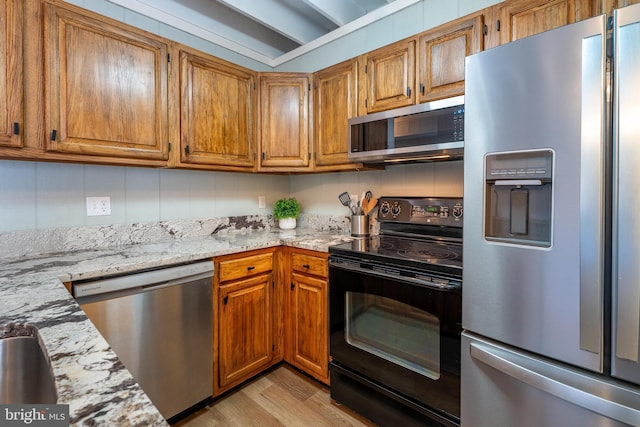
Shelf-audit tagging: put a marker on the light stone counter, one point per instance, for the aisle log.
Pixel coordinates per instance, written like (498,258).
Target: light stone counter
(89,377)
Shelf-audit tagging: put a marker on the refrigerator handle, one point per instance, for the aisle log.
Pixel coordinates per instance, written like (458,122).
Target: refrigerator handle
(592,193)
(626,151)
(540,375)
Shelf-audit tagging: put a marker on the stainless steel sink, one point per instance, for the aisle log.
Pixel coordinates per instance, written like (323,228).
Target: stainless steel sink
(25,374)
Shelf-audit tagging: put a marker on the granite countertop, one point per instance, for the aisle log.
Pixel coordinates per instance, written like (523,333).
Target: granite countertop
(89,377)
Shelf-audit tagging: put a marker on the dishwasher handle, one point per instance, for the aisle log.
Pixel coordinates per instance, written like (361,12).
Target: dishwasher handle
(141,282)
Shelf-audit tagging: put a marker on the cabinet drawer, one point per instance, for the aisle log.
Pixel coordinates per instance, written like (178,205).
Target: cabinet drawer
(309,264)
(245,267)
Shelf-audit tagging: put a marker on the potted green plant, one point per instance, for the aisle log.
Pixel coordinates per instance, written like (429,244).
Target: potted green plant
(286,211)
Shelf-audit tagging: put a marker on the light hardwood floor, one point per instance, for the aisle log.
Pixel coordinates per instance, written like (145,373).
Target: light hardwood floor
(282,397)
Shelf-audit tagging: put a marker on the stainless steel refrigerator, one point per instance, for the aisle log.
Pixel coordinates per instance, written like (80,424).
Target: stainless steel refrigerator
(551,286)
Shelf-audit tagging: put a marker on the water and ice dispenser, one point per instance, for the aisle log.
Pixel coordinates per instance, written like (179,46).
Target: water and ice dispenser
(519,192)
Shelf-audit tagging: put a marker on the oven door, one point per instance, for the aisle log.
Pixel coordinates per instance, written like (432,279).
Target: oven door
(400,335)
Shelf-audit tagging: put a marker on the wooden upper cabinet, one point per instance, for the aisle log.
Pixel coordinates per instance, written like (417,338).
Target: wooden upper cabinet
(522,18)
(284,121)
(105,87)
(442,54)
(11,74)
(336,101)
(390,76)
(218,108)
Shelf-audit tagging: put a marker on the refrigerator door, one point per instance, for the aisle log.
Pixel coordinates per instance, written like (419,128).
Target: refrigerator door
(542,96)
(626,199)
(505,387)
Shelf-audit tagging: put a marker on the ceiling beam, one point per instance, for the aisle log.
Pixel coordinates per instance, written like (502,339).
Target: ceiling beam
(279,18)
(339,12)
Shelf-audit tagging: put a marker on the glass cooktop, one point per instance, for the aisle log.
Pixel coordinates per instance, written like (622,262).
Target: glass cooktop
(400,250)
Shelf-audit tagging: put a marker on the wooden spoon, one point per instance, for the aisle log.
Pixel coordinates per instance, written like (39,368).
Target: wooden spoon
(371,204)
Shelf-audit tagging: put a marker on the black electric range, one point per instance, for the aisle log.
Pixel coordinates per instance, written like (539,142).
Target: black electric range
(417,235)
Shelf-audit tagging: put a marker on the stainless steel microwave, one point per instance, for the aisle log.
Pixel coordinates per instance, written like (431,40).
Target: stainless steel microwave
(425,132)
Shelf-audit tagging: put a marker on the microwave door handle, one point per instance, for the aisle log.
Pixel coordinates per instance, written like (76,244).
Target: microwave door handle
(518,182)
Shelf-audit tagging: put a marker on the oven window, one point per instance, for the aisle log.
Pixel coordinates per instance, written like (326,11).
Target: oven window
(395,331)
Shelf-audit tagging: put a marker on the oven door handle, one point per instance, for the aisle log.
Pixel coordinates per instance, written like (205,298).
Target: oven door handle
(355,266)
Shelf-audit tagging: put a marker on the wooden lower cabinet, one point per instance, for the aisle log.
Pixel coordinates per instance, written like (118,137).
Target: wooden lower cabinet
(245,317)
(270,305)
(307,314)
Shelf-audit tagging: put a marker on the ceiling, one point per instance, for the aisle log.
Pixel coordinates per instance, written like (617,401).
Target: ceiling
(268,31)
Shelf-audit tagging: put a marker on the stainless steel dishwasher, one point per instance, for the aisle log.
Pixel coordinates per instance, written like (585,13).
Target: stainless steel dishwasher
(160,324)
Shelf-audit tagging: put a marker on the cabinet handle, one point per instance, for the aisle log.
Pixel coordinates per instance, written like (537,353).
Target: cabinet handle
(225,300)
(485,29)
(187,150)
(251,267)
(408,91)
(422,88)
(54,134)
(292,286)
(16,128)
(498,25)
(305,265)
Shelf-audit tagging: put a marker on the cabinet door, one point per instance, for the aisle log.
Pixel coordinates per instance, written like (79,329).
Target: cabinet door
(442,54)
(11,75)
(105,87)
(284,121)
(524,18)
(244,327)
(336,101)
(217,115)
(390,77)
(309,322)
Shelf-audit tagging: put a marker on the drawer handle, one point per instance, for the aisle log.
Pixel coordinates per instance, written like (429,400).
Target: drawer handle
(305,265)
(251,267)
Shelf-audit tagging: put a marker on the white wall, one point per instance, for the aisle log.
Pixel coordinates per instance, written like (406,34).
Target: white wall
(38,195)
(318,193)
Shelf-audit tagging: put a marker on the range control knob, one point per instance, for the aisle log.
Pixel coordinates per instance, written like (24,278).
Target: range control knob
(384,209)
(395,209)
(457,211)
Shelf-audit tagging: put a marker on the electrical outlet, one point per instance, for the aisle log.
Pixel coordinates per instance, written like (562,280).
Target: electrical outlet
(262,203)
(97,206)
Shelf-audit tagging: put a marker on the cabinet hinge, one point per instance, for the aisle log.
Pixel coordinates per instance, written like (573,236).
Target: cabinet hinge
(16,128)
(54,135)
(168,57)
(187,150)
(498,25)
